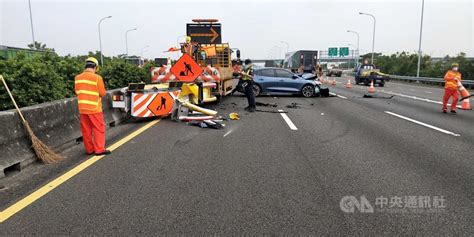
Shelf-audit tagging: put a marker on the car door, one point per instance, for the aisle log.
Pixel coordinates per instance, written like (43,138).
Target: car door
(265,78)
(287,83)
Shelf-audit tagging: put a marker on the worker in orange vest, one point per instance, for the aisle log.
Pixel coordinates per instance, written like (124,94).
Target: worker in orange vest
(451,88)
(90,89)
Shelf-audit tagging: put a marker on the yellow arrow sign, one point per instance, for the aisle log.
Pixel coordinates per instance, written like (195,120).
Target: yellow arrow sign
(213,34)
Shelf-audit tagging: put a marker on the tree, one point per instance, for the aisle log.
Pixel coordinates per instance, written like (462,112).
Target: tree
(39,46)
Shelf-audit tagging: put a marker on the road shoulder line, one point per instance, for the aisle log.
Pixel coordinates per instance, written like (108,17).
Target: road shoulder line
(34,196)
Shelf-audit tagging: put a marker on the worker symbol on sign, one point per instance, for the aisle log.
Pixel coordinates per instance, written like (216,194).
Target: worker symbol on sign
(163,103)
(186,69)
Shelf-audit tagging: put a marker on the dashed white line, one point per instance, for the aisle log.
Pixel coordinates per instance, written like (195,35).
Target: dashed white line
(423,124)
(416,98)
(287,120)
(340,96)
(227,133)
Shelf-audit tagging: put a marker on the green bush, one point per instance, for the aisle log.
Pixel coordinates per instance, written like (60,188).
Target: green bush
(31,80)
(49,77)
(119,73)
(405,64)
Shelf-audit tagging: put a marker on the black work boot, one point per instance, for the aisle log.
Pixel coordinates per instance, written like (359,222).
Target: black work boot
(106,152)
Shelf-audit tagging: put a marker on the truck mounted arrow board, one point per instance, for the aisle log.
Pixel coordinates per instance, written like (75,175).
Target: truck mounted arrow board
(204,33)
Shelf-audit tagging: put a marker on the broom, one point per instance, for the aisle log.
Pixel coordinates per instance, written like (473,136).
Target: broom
(42,151)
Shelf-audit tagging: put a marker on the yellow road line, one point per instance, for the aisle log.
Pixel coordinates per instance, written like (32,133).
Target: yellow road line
(18,206)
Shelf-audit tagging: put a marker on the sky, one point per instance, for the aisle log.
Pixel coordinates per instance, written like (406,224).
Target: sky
(257,28)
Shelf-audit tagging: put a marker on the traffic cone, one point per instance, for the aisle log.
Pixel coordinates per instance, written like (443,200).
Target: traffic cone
(466,105)
(371,88)
(349,84)
(464,93)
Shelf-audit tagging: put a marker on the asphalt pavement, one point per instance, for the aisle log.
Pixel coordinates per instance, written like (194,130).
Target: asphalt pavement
(343,165)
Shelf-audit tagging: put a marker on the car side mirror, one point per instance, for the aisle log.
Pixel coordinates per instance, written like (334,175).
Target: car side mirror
(294,76)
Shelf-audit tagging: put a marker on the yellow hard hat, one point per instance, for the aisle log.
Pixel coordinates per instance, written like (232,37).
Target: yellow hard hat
(455,65)
(95,61)
(188,39)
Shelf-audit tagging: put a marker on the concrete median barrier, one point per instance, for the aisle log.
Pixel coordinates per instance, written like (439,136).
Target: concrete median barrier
(55,123)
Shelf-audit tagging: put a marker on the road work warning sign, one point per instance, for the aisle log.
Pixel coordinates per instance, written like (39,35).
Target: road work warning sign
(186,69)
(161,104)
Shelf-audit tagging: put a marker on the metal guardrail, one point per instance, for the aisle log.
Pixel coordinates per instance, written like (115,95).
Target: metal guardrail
(423,80)
(430,80)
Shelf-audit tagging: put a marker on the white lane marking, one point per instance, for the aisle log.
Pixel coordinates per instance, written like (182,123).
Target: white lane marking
(287,120)
(227,133)
(428,92)
(423,124)
(416,98)
(340,96)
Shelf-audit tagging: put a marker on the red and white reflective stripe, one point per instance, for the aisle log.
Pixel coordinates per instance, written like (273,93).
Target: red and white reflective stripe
(169,77)
(163,75)
(210,74)
(209,84)
(160,73)
(175,94)
(140,104)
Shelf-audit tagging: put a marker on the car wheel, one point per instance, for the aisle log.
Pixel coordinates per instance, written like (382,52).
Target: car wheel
(257,90)
(307,91)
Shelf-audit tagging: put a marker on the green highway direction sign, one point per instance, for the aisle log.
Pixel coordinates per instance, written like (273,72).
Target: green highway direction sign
(343,51)
(332,52)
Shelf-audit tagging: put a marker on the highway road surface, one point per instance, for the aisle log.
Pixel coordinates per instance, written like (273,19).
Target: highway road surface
(343,165)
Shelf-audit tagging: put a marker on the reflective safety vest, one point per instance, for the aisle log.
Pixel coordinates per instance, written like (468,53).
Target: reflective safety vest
(449,82)
(248,71)
(89,89)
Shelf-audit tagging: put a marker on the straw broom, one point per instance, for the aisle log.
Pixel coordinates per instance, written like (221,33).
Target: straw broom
(43,152)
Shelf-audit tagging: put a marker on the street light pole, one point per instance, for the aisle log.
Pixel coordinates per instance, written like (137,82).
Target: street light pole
(31,22)
(100,42)
(353,56)
(287,46)
(419,43)
(373,36)
(279,51)
(144,49)
(358,45)
(126,41)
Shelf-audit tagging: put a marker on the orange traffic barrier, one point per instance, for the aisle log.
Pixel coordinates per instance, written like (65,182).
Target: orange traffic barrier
(466,105)
(371,88)
(464,93)
(349,84)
